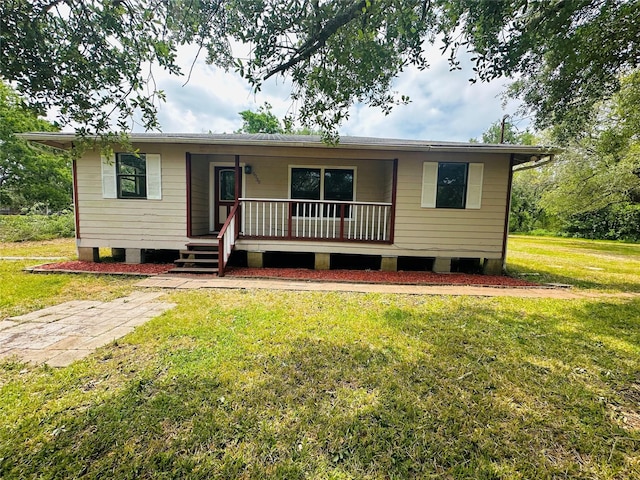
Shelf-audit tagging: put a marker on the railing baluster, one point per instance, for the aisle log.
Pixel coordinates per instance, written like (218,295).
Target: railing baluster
(320,220)
(366,230)
(354,214)
(384,224)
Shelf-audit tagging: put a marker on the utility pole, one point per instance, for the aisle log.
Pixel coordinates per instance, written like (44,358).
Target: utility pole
(502,126)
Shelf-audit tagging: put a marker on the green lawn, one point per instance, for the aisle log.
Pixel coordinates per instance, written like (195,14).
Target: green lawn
(259,384)
(22,292)
(594,264)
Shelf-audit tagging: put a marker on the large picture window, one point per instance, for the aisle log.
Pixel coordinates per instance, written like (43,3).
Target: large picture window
(320,183)
(131,175)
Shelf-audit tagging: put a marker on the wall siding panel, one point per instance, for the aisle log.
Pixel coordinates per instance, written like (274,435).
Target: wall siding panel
(418,231)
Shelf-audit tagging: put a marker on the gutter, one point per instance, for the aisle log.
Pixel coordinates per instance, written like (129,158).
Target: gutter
(537,151)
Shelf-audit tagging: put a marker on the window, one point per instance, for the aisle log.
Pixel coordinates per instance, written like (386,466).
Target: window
(329,184)
(227,186)
(452,185)
(131,175)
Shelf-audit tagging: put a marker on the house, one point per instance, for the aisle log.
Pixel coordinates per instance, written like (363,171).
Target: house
(399,202)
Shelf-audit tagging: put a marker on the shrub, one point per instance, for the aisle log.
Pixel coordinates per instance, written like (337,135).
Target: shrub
(617,222)
(22,228)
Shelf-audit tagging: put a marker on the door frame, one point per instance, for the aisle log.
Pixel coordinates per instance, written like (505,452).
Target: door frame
(213,188)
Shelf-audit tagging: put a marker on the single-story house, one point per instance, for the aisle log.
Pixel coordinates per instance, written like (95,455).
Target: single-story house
(208,195)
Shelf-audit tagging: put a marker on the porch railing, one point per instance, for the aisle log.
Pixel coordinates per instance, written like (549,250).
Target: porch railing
(227,238)
(315,220)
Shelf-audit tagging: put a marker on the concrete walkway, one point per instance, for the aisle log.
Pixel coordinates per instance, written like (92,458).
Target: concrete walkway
(67,332)
(186,283)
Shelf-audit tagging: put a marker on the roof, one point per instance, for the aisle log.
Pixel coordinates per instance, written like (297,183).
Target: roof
(521,153)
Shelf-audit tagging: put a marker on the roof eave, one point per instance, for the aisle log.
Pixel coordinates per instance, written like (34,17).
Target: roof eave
(521,153)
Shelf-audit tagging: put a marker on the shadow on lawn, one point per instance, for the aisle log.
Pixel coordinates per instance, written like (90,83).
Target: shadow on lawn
(344,410)
(542,276)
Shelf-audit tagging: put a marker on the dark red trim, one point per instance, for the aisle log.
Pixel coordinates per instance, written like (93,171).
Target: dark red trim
(188,168)
(313,239)
(394,194)
(505,233)
(237,179)
(76,212)
(238,192)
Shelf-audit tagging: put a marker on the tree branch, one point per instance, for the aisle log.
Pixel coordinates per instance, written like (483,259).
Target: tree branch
(312,45)
(535,165)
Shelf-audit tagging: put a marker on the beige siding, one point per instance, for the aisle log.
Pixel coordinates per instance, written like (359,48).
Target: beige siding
(199,197)
(451,232)
(129,223)
(418,231)
(270,177)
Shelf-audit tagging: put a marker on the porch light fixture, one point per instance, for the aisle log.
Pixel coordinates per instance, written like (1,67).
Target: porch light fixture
(247,169)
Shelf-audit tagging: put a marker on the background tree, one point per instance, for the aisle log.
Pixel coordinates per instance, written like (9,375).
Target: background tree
(90,59)
(29,174)
(592,189)
(597,180)
(511,135)
(528,185)
(262,121)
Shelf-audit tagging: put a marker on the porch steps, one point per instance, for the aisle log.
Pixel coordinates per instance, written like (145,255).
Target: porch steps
(197,258)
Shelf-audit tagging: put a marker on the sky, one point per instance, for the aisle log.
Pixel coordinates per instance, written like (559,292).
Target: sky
(444,105)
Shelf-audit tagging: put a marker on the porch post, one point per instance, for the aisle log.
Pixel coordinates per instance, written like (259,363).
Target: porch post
(237,196)
(394,192)
(237,178)
(188,163)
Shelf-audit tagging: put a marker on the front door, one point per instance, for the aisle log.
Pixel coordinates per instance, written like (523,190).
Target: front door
(225,186)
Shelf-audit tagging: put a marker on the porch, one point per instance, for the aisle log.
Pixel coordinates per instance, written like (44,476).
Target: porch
(230,199)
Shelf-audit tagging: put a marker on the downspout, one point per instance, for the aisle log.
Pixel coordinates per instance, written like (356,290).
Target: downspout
(507,213)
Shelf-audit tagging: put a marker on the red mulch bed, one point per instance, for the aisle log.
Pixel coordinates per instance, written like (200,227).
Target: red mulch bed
(357,276)
(109,267)
(375,276)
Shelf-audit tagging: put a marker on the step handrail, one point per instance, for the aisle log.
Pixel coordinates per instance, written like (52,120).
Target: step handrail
(227,238)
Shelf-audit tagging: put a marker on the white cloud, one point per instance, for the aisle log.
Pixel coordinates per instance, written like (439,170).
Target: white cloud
(444,104)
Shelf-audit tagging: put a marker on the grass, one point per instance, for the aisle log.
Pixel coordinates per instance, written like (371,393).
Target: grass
(593,264)
(260,384)
(21,292)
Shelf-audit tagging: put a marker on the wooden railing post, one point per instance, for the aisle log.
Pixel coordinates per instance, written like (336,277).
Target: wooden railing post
(221,262)
(342,208)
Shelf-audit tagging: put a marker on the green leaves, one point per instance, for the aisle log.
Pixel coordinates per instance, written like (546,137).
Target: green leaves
(29,174)
(89,60)
(262,121)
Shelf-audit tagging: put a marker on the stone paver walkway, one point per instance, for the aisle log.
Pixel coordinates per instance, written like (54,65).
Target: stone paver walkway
(64,333)
(177,282)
